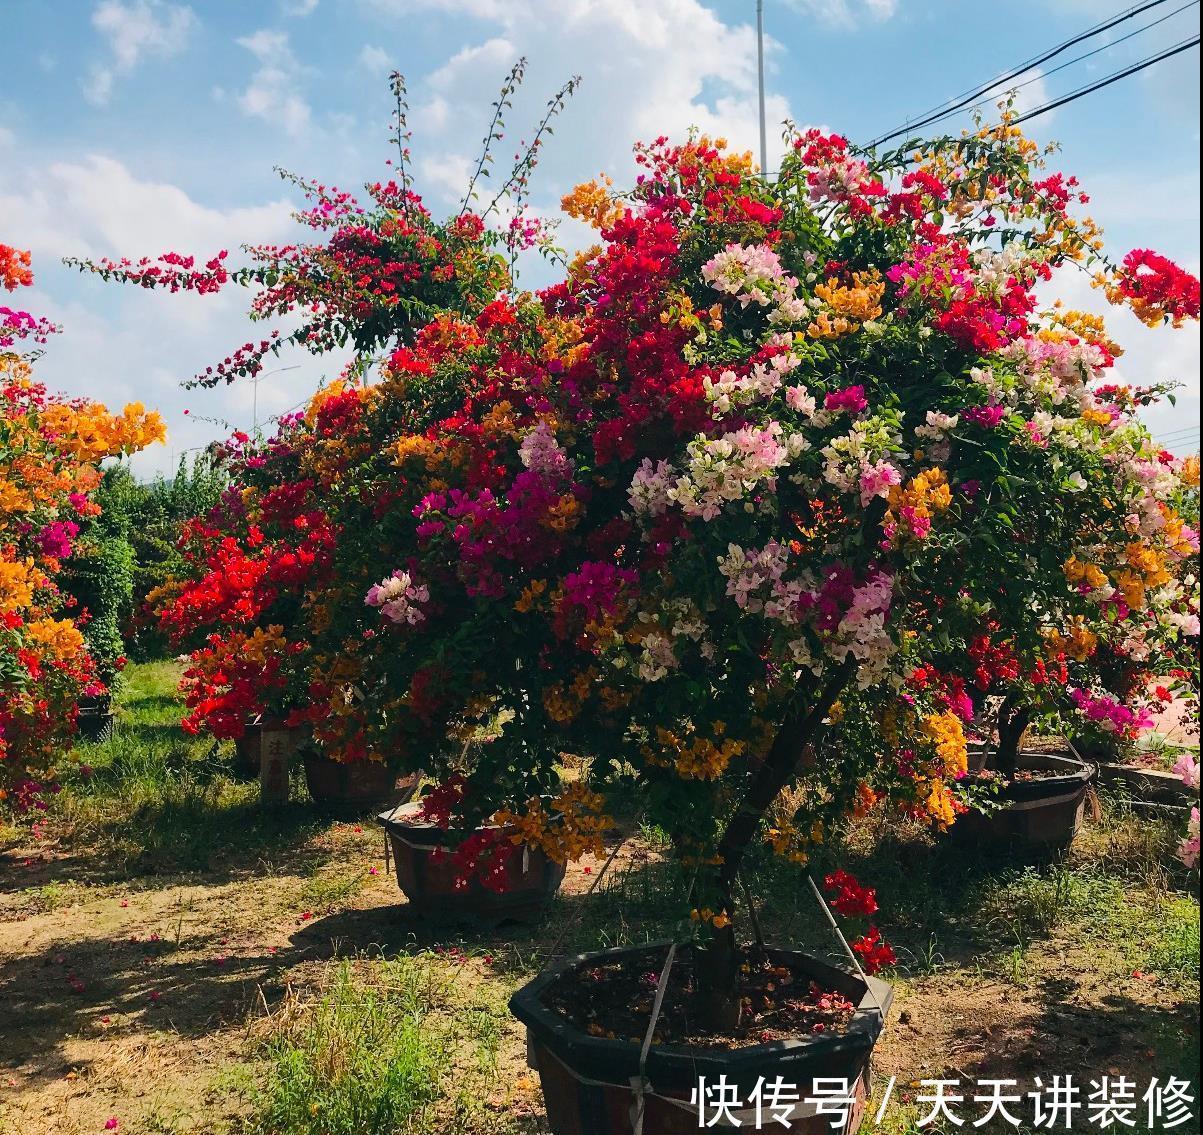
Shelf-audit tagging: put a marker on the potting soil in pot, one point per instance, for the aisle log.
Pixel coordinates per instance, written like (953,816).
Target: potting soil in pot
(614,1000)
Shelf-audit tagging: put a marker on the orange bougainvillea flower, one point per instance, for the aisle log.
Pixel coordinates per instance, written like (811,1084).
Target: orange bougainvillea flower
(14,268)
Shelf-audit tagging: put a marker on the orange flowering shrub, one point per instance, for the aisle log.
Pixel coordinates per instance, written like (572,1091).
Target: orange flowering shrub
(49,454)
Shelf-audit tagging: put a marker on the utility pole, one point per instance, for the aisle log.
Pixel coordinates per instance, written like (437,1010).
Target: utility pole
(764,146)
(255,380)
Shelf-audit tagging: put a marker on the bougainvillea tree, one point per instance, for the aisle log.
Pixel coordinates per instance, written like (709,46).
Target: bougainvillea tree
(777,466)
(50,451)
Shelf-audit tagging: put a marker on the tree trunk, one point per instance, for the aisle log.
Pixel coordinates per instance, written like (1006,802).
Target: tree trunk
(717,964)
(1013,720)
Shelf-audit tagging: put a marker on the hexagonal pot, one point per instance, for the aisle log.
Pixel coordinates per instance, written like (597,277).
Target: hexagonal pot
(427,877)
(355,785)
(94,721)
(587,1080)
(1036,816)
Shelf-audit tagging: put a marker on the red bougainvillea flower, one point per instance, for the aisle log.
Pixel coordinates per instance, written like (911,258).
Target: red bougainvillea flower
(849,896)
(1155,288)
(874,954)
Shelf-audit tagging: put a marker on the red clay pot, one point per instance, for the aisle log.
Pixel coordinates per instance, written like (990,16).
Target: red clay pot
(587,1080)
(427,876)
(354,784)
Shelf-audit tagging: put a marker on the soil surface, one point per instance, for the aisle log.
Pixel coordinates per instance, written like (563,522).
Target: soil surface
(616,999)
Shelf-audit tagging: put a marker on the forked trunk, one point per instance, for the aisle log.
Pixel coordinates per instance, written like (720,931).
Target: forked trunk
(1013,721)
(718,961)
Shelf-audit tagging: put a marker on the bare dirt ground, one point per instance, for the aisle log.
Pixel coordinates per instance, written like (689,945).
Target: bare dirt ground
(136,996)
(134,1000)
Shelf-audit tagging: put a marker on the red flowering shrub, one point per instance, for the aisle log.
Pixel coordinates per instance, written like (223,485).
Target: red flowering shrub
(769,490)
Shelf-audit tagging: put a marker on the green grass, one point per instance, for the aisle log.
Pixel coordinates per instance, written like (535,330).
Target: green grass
(388,1046)
(154,799)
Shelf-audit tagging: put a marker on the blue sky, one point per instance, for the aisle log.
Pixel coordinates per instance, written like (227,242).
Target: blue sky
(135,126)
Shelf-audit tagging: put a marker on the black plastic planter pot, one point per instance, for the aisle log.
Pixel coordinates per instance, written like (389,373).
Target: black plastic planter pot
(94,721)
(1037,816)
(588,1081)
(428,877)
(1149,791)
(246,750)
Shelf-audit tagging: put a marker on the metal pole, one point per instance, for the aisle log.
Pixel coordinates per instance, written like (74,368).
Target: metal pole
(764,146)
(255,380)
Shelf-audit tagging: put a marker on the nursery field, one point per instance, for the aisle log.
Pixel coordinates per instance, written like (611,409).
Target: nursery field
(175,958)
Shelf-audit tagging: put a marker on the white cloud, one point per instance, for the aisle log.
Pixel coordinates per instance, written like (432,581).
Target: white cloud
(133,31)
(299,8)
(121,344)
(272,93)
(846,13)
(375,59)
(1031,91)
(649,67)
(99,86)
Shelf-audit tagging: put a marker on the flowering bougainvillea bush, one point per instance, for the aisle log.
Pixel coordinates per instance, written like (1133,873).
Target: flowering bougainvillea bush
(769,492)
(50,450)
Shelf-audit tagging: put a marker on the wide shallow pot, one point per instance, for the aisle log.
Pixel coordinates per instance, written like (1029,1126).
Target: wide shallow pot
(426,874)
(94,720)
(355,784)
(1149,791)
(588,1081)
(1040,815)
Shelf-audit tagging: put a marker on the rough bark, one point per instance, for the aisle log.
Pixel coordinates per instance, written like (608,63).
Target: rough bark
(717,963)
(1013,720)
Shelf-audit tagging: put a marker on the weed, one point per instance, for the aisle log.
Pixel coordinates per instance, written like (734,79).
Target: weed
(385,1047)
(328,890)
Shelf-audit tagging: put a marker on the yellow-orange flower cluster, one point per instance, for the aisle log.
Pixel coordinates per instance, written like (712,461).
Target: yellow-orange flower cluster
(696,757)
(913,506)
(565,828)
(850,305)
(593,203)
(563,702)
(1084,325)
(1079,642)
(89,432)
(789,842)
(945,731)
(1082,574)
(1145,570)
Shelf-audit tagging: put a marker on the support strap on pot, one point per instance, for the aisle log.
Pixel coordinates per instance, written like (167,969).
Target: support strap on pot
(733,1119)
(640,1083)
(1047,801)
(844,942)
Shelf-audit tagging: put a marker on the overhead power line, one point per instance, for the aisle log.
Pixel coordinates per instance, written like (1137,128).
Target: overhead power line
(1185,45)
(967,98)
(1071,62)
